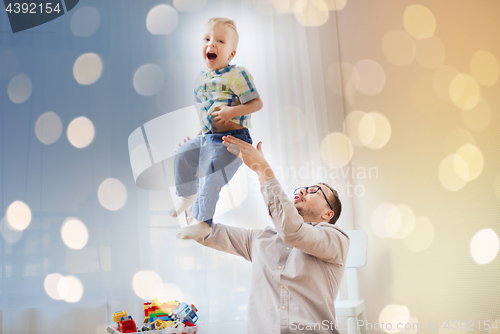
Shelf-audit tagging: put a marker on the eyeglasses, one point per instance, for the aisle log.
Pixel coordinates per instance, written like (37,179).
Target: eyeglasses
(313,190)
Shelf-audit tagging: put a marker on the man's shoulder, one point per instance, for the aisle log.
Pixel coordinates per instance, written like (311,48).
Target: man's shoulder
(334,228)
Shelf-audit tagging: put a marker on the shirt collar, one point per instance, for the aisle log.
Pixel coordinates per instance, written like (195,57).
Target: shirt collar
(220,72)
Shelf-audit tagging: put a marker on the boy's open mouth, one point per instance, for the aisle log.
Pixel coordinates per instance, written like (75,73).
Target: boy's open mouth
(211,56)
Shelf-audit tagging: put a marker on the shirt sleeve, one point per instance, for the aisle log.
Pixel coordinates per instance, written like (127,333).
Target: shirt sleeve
(197,86)
(242,86)
(230,239)
(324,241)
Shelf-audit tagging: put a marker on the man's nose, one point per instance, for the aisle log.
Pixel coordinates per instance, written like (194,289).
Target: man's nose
(302,192)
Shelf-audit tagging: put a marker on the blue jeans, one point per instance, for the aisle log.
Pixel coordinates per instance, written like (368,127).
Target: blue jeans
(216,166)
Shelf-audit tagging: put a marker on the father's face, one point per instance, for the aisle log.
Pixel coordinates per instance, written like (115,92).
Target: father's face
(312,207)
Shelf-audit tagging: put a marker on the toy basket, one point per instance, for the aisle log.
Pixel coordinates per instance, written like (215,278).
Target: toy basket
(185,330)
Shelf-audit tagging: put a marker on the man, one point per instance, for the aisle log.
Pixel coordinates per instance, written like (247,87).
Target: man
(296,267)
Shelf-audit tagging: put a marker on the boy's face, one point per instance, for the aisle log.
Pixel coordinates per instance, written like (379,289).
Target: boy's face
(218,46)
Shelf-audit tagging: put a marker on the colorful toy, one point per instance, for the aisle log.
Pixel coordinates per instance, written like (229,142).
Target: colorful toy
(127,325)
(188,312)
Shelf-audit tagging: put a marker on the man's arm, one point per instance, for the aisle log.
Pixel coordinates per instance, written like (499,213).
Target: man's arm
(230,239)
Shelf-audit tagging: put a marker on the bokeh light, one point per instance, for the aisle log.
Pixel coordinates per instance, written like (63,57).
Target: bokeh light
(336,76)
(419,21)
(168,291)
(359,129)
(441,81)
(50,284)
(162,20)
(423,96)
(484,68)
(385,220)
(368,77)
(81,132)
(74,233)
(87,68)
(398,48)
(19,89)
(394,315)
(70,289)
(335,4)
(48,128)
(407,221)
(18,215)
(311,13)
(8,64)
(474,160)
(430,52)
(464,91)
(85,21)
(421,237)
(479,117)
(146,284)
(484,246)
(294,125)
(189,5)
(148,79)
(382,130)
(456,139)
(453,172)
(336,150)
(9,235)
(112,194)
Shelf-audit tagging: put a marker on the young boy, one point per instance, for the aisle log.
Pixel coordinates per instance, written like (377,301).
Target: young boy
(228,96)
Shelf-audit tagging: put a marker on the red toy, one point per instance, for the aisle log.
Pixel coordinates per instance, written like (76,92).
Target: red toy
(127,325)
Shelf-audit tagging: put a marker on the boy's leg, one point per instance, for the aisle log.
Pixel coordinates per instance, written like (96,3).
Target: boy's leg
(185,168)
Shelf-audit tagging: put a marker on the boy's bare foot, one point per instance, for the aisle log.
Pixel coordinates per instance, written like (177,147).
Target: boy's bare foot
(197,230)
(182,205)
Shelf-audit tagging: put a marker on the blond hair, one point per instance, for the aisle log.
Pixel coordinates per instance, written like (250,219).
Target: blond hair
(222,20)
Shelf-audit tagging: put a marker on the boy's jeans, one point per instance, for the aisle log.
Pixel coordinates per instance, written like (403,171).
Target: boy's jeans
(216,166)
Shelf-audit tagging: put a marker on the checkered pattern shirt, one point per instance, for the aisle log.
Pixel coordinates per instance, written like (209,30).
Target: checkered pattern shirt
(230,86)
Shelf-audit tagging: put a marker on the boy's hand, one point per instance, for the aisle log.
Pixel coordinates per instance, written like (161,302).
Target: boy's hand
(223,114)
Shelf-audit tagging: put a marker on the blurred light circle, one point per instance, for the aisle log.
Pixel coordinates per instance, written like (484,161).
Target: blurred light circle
(398,48)
(359,132)
(394,315)
(453,171)
(8,64)
(168,291)
(74,233)
(421,237)
(148,79)
(350,92)
(112,194)
(19,89)
(311,13)
(162,20)
(479,117)
(385,220)
(18,215)
(87,68)
(464,91)
(336,76)
(441,81)
(85,21)
(70,289)
(368,77)
(189,5)
(484,68)
(484,246)
(146,283)
(282,6)
(336,150)
(335,4)
(50,284)
(423,96)
(382,129)
(48,128)
(419,21)
(81,132)
(474,159)
(456,139)
(10,235)
(407,221)
(430,52)
(496,186)
(294,125)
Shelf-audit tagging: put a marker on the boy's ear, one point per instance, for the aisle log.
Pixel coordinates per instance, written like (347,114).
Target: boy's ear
(231,56)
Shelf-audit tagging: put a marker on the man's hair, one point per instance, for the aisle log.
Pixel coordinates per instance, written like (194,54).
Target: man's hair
(335,201)
(222,20)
